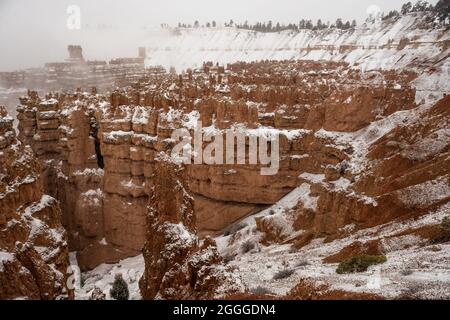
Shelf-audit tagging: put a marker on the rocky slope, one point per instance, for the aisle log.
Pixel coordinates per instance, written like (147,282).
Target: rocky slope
(396,43)
(177,266)
(33,244)
(406,195)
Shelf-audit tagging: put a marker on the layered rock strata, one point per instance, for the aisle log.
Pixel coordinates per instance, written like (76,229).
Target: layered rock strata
(177,264)
(98,151)
(34,257)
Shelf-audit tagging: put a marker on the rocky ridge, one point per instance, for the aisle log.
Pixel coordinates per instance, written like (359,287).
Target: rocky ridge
(33,243)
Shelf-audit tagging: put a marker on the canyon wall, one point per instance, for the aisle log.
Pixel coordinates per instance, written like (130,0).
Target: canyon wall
(395,43)
(33,243)
(98,152)
(177,266)
(396,170)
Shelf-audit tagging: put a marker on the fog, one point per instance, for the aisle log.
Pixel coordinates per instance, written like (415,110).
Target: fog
(33,32)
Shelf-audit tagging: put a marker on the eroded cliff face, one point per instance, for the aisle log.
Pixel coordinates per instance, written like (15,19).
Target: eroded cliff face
(397,169)
(33,243)
(99,152)
(177,265)
(390,198)
(409,41)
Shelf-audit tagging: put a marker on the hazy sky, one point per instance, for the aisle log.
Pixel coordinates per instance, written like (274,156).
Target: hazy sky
(33,32)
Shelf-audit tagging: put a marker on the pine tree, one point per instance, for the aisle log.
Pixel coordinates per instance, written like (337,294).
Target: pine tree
(302,24)
(406,8)
(119,290)
(319,24)
(443,7)
(420,6)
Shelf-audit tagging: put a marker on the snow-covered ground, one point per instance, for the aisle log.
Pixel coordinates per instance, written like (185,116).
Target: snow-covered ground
(9,99)
(372,45)
(413,267)
(102,277)
(391,44)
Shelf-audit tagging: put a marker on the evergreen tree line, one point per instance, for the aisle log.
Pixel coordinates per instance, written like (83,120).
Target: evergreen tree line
(303,24)
(441,9)
(277,27)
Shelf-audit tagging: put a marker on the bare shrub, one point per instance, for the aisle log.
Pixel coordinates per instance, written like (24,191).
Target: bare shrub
(302,263)
(247,246)
(228,258)
(406,272)
(260,291)
(283,274)
(234,228)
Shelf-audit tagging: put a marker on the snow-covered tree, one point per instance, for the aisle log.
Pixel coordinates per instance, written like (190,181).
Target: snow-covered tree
(420,6)
(406,8)
(119,290)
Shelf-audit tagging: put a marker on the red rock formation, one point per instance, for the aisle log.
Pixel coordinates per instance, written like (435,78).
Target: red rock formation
(33,244)
(406,174)
(98,152)
(177,266)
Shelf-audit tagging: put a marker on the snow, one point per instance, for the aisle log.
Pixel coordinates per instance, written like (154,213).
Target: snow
(313,178)
(191,119)
(141,115)
(299,157)
(304,196)
(269,132)
(130,184)
(89,172)
(424,194)
(430,271)
(49,102)
(361,140)
(341,184)
(102,277)
(428,146)
(279,213)
(373,46)
(4,258)
(93,197)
